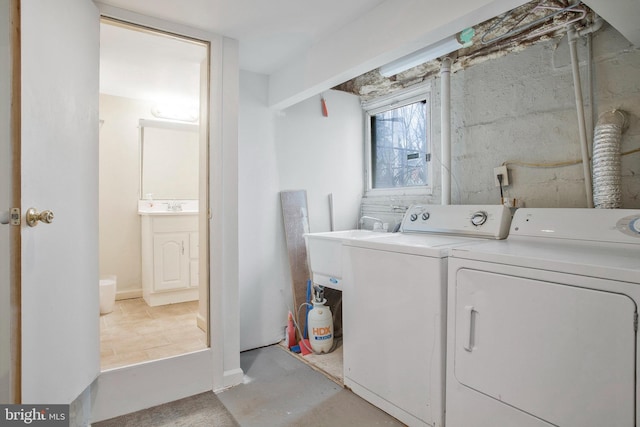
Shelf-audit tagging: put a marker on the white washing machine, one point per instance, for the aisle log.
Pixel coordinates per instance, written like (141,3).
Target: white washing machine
(394,307)
(542,326)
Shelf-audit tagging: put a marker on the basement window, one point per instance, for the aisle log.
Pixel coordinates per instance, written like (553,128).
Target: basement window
(398,143)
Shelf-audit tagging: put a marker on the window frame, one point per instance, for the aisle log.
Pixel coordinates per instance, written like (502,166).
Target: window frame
(399,99)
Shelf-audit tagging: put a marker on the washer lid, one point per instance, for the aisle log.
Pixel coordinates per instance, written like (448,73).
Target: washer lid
(431,245)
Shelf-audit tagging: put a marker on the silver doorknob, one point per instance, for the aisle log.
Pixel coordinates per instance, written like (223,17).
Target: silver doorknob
(33,216)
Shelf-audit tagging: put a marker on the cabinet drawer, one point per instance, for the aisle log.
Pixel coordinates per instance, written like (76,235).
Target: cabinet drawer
(167,224)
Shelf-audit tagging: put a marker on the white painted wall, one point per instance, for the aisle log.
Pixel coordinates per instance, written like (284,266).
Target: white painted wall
(297,148)
(263,268)
(323,155)
(119,183)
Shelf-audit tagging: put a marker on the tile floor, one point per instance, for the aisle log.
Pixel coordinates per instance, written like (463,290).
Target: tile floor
(134,332)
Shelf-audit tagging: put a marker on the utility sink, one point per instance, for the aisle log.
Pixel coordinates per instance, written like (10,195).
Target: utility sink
(325,254)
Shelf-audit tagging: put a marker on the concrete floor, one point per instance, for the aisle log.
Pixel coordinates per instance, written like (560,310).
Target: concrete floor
(278,391)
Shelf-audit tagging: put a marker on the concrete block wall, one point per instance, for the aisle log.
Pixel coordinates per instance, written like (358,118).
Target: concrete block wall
(521,107)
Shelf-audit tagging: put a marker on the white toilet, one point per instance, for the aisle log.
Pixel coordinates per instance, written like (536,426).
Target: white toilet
(107,293)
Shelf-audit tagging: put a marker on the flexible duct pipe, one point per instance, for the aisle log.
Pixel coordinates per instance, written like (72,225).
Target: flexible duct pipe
(582,129)
(606,159)
(445,129)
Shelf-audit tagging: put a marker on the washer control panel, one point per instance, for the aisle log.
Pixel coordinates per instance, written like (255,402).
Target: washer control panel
(479,218)
(490,221)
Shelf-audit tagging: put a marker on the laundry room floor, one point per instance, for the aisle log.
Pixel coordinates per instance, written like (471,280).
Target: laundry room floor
(328,363)
(279,390)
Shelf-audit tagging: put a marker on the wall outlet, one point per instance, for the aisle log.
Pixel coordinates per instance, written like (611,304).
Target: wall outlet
(501,170)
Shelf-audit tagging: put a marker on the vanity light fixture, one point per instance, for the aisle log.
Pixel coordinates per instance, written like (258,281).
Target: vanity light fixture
(421,56)
(175,112)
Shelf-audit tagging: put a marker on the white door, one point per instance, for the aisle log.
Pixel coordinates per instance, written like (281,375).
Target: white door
(59,128)
(563,354)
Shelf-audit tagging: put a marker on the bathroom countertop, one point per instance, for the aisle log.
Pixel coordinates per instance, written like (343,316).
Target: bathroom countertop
(164,207)
(164,213)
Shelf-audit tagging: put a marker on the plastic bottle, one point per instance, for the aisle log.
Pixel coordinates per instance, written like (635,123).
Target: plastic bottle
(320,327)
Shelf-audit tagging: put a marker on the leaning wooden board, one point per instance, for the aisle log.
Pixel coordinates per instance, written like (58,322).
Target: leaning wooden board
(296,224)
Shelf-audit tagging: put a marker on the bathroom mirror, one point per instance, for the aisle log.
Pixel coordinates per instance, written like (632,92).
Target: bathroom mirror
(169,154)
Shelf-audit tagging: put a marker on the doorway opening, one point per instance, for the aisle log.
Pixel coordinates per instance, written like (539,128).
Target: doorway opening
(153,201)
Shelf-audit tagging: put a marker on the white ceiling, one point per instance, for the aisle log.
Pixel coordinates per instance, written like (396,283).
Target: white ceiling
(149,66)
(269,31)
(322,43)
(140,65)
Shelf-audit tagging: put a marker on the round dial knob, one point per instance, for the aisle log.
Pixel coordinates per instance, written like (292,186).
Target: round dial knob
(425,216)
(478,218)
(634,225)
(413,217)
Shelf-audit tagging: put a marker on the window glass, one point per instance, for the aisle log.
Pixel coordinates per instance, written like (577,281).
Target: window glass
(399,147)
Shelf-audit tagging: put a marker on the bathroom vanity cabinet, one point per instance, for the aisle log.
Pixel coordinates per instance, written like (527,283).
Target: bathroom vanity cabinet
(169,258)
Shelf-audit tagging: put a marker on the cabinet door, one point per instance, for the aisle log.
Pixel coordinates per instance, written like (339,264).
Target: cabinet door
(170,261)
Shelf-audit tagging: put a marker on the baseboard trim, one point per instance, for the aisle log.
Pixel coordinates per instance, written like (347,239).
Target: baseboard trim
(201,322)
(232,377)
(136,293)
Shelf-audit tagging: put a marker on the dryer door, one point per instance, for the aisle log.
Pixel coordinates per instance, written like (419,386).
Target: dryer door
(561,353)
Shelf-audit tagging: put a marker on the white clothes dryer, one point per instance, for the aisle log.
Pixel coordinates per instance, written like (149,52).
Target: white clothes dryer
(394,307)
(542,326)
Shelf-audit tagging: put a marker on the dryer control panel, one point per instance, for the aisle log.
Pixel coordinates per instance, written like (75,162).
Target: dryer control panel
(598,225)
(629,225)
(490,221)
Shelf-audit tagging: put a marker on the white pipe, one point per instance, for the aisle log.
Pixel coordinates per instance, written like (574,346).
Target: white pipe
(445,129)
(595,26)
(582,129)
